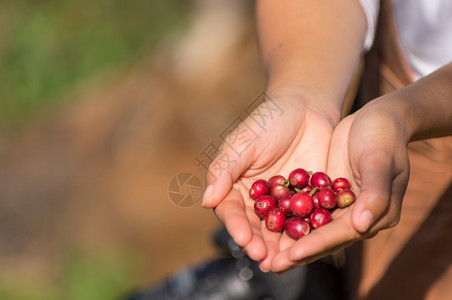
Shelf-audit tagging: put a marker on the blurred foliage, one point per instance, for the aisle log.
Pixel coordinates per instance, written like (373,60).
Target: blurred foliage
(83,276)
(91,278)
(47,45)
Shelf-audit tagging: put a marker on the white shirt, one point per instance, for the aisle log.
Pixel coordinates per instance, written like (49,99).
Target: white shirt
(425,29)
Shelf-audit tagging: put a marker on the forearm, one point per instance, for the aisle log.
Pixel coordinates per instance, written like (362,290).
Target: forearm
(424,108)
(312,48)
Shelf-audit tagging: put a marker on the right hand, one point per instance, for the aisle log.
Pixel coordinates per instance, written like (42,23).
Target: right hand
(298,137)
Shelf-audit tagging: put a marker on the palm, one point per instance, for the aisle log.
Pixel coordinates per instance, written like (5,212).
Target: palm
(299,139)
(367,152)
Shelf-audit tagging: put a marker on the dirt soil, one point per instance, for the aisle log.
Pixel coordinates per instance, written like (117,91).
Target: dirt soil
(95,174)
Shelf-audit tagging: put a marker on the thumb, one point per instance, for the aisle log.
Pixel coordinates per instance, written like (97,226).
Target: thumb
(374,197)
(232,160)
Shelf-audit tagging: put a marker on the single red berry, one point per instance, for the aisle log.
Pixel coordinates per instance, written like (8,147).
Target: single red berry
(341,183)
(297,228)
(259,188)
(345,198)
(301,204)
(275,220)
(320,179)
(320,217)
(315,200)
(284,204)
(278,191)
(299,178)
(306,189)
(327,198)
(277,179)
(263,205)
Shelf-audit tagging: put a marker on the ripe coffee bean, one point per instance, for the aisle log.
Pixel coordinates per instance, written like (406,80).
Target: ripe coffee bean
(284,204)
(277,179)
(345,198)
(278,191)
(306,189)
(326,198)
(301,204)
(263,205)
(320,179)
(320,217)
(259,188)
(275,220)
(341,183)
(315,200)
(297,228)
(299,178)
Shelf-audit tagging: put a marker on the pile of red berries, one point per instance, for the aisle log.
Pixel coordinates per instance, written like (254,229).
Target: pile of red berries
(300,203)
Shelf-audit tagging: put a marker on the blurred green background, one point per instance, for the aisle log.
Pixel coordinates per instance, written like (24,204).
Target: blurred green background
(46,48)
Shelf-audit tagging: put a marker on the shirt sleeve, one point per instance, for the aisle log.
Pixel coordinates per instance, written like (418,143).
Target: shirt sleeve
(371,9)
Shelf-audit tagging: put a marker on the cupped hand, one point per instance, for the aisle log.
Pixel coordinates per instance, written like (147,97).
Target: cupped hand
(369,148)
(266,143)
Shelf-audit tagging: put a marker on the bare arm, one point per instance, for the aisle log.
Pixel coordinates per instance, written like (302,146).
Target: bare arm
(311,48)
(370,148)
(425,106)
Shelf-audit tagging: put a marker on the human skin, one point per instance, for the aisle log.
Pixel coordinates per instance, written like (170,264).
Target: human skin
(370,148)
(285,144)
(308,78)
(310,50)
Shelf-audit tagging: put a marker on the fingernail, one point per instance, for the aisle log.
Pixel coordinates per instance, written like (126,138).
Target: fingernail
(366,220)
(262,270)
(208,194)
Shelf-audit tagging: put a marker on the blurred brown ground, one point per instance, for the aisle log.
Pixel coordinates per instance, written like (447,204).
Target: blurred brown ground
(95,174)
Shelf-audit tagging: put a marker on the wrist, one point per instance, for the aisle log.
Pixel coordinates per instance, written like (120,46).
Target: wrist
(317,101)
(422,109)
(391,114)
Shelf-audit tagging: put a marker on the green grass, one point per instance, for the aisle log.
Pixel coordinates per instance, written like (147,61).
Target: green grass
(82,276)
(46,46)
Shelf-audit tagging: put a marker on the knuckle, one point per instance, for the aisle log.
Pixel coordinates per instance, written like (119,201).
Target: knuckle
(371,235)
(394,222)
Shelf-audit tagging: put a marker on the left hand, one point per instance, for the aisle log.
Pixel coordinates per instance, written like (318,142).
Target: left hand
(370,149)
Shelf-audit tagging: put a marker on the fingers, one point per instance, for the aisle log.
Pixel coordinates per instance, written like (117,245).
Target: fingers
(234,158)
(231,213)
(243,224)
(373,202)
(317,244)
(271,240)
